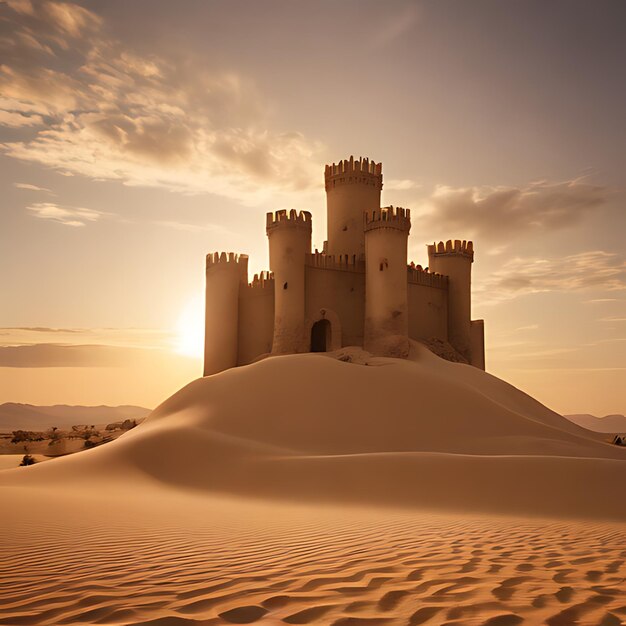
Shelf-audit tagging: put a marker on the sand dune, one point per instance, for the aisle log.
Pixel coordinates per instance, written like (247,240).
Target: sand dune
(421,433)
(297,491)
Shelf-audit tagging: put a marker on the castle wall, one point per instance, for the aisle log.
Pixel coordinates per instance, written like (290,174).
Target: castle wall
(477,343)
(342,291)
(428,312)
(256,319)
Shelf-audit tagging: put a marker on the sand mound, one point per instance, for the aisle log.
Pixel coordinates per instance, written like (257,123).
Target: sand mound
(423,432)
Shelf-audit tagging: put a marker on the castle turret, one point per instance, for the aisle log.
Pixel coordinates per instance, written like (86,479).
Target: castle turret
(289,241)
(224,275)
(352,188)
(386,233)
(455,261)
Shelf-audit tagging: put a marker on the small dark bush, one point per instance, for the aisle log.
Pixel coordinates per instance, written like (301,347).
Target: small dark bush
(25,435)
(27,460)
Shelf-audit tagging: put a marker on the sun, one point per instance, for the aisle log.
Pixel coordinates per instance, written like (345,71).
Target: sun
(190,328)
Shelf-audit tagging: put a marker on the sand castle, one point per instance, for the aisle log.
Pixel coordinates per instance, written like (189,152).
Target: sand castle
(358,291)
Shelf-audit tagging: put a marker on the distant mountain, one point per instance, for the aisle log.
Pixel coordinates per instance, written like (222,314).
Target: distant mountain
(14,416)
(606,424)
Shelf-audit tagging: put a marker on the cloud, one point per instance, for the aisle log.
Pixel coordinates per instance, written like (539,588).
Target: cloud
(596,270)
(61,355)
(146,338)
(38,329)
(30,187)
(16,119)
(401,184)
(496,213)
(201,228)
(76,217)
(100,110)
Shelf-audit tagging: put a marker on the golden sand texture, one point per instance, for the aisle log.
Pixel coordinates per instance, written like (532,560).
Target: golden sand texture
(163,558)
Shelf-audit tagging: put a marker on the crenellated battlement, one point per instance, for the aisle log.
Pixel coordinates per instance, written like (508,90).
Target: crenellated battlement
(388,217)
(215,258)
(350,171)
(418,275)
(260,284)
(344,262)
(458,248)
(288,219)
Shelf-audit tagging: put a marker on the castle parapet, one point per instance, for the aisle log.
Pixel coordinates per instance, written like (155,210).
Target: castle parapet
(350,171)
(288,219)
(388,217)
(458,247)
(263,280)
(344,262)
(420,276)
(213,258)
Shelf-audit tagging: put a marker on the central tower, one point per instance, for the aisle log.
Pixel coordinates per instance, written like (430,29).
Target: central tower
(352,189)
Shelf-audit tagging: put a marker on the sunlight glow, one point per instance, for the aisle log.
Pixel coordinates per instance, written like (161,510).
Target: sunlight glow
(190,328)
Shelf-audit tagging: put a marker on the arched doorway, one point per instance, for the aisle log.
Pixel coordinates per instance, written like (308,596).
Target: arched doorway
(320,336)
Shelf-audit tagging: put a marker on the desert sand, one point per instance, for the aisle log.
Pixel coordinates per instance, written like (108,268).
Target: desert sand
(312,489)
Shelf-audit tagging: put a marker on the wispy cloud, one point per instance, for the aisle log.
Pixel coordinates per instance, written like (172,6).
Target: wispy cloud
(403,184)
(37,329)
(529,327)
(192,228)
(61,355)
(578,272)
(70,216)
(106,112)
(16,119)
(30,187)
(118,337)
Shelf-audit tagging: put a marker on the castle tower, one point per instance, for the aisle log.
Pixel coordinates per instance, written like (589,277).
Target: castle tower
(289,240)
(224,275)
(386,233)
(352,187)
(455,260)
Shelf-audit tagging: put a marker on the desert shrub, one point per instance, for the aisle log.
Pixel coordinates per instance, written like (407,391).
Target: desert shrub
(25,435)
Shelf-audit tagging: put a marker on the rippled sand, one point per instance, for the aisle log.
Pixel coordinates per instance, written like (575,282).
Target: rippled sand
(158,559)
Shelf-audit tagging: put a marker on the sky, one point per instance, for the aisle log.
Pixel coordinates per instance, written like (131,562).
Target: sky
(135,137)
